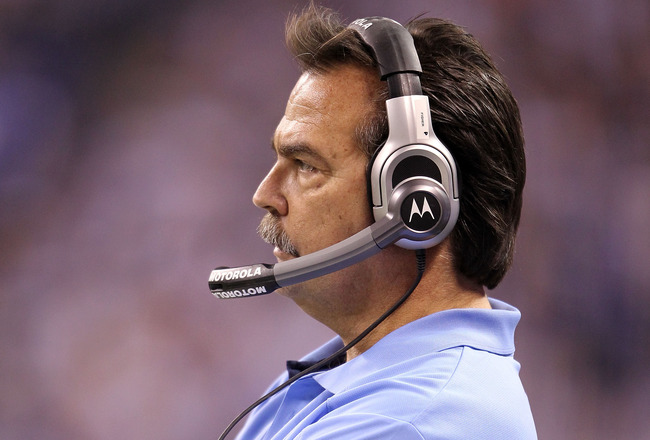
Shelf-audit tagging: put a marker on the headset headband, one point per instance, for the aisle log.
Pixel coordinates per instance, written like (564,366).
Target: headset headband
(395,53)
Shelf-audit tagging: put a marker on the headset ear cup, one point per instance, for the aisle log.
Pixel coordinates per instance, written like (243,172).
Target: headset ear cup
(425,211)
(427,174)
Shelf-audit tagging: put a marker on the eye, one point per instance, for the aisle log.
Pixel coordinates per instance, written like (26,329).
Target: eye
(304,166)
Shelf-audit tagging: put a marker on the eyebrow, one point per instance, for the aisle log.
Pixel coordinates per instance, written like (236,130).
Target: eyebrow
(291,150)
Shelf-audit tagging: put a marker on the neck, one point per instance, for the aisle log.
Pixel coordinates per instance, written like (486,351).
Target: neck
(441,288)
(350,300)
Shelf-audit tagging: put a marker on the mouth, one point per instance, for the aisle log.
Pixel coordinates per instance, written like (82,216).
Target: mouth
(272,232)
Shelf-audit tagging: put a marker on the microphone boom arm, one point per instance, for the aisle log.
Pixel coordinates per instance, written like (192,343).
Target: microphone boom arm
(353,249)
(260,279)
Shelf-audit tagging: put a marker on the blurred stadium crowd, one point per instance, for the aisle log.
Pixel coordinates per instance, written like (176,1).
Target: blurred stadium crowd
(133,134)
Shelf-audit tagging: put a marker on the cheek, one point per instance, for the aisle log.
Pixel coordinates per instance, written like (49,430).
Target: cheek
(330,212)
(342,215)
(357,206)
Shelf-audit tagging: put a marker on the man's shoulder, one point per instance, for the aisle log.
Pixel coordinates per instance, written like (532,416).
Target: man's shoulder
(443,392)
(455,371)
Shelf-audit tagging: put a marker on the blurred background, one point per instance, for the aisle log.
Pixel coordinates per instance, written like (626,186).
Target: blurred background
(133,134)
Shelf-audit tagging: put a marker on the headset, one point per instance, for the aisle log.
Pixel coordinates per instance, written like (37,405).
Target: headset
(412,179)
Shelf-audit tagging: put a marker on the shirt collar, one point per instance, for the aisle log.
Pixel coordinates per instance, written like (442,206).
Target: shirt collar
(482,329)
(296,367)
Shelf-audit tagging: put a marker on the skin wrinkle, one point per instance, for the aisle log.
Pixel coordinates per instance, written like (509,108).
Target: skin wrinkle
(296,151)
(299,88)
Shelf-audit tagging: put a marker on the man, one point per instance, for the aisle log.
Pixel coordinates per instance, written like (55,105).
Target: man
(441,365)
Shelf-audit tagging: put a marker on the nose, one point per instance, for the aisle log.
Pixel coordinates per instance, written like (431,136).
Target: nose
(269,193)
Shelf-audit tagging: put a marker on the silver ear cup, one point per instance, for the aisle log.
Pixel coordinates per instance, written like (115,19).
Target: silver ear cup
(425,211)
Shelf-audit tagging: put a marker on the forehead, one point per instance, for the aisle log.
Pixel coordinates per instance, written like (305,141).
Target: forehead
(328,105)
(344,89)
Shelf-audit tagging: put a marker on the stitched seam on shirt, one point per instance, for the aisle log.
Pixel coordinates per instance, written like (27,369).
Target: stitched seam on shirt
(412,421)
(400,421)
(453,373)
(451,376)
(414,429)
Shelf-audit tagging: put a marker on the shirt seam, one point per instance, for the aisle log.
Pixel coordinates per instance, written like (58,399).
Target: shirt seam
(419,414)
(399,421)
(442,388)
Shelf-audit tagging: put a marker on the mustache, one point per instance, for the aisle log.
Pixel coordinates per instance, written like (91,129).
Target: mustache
(272,232)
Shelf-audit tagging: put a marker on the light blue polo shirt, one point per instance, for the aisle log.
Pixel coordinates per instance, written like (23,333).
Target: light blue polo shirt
(449,375)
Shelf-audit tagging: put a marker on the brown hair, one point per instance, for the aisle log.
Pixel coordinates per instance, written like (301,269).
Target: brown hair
(473,113)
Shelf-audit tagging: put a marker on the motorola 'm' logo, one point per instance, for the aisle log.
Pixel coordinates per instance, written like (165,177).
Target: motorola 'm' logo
(420,211)
(415,210)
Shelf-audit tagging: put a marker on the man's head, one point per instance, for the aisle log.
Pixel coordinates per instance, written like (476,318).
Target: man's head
(473,113)
(315,193)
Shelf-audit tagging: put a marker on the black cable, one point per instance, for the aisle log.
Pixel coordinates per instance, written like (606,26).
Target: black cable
(420,259)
